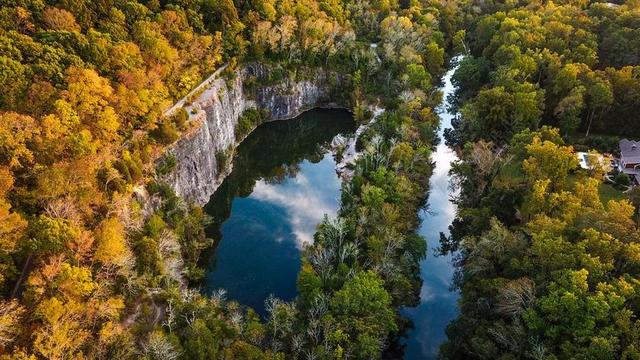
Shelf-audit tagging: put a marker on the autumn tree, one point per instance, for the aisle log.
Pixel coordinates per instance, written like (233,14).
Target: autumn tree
(59,19)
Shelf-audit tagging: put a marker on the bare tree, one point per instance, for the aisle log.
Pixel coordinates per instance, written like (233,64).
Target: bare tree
(158,347)
(516,297)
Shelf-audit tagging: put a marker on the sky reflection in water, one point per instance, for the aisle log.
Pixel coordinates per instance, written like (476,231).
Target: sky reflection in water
(306,197)
(282,184)
(438,304)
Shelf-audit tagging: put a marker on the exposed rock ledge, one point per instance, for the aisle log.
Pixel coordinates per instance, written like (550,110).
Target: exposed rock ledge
(215,113)
(348,144)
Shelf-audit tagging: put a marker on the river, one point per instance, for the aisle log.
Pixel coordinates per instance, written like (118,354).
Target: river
(438,304)
(282,183)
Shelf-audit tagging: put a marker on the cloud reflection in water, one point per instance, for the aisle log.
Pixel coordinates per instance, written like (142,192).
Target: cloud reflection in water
(306,197)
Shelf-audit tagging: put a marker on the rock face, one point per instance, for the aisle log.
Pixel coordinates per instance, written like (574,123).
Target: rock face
(350,153)
(214,115)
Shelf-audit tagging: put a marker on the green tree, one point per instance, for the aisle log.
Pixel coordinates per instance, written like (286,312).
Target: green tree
(569,110)
(549,161)
(363,310)
(51,235)
(599,97)
(14,80)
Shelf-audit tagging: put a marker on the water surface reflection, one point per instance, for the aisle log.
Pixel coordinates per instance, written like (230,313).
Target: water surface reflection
(283,182)
(438,304)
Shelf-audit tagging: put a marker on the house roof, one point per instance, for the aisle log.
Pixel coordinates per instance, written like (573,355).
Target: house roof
(630,151)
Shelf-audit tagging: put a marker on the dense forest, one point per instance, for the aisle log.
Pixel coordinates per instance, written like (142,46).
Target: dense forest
(547,260)
(548,263)
(87,274)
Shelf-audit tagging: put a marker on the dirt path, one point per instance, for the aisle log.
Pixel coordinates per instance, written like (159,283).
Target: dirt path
(158,314)
(180,103)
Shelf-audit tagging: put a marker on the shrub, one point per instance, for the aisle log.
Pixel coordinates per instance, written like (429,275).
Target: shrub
(166,133)
(153,187)
(622,180)
(135,168)
(222,158)
(180,118)
(154,226)
(166,165)
(129,168)
(123,169)
(172,206)
(248,121)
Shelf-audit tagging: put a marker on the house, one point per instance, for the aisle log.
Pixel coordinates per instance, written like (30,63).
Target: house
(630,158)
(629,154)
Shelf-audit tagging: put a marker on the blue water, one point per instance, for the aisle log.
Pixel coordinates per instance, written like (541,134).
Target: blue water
(438,304)
(282,184)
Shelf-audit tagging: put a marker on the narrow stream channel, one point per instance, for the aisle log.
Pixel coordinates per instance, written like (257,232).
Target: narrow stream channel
(282,183)
(438,304)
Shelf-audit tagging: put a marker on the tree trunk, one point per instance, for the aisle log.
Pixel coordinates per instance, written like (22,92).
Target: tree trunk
(590,120)
(25,269)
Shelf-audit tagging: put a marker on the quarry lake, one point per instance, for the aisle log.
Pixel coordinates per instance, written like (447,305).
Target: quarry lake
(282,183)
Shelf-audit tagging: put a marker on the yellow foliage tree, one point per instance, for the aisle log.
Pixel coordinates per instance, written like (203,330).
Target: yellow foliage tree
(10,314)
(12,225)
(549,161)
(61,335)
(16,132)
(112,247)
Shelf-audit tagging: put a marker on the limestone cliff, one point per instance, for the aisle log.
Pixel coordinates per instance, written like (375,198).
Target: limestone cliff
(214,115)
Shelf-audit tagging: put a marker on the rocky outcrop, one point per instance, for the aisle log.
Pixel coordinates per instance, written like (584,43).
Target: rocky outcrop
(214,115)
(348,145)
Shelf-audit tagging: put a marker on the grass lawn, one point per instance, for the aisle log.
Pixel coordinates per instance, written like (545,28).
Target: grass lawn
(608,192)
